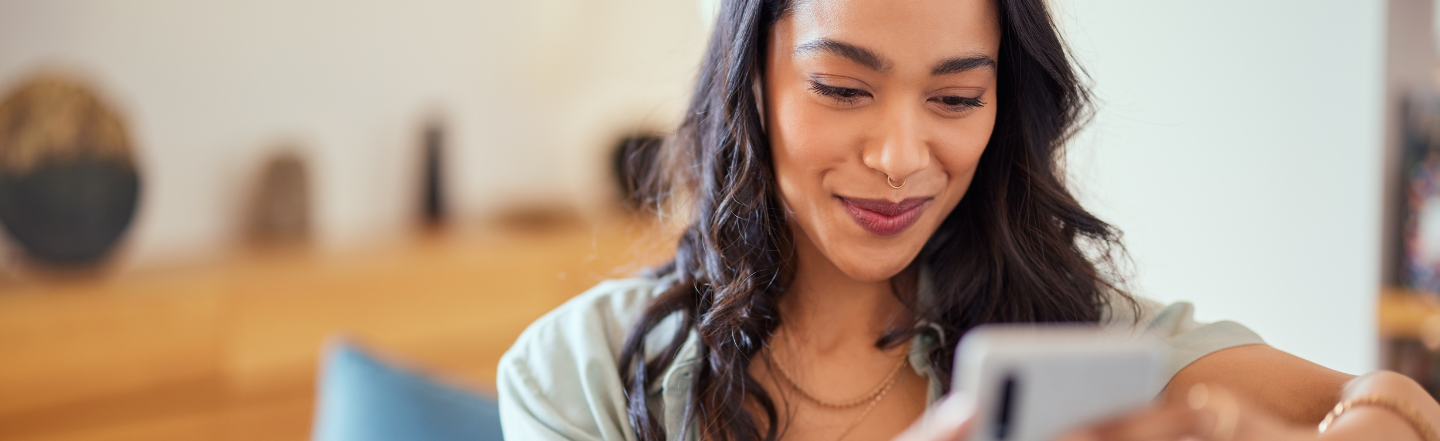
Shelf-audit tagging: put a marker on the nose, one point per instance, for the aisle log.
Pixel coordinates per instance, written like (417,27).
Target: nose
(902,151)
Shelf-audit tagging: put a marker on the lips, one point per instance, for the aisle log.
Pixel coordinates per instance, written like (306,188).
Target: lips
(882,217)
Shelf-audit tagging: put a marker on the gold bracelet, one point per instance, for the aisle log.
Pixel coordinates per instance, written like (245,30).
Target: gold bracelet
(1410,415)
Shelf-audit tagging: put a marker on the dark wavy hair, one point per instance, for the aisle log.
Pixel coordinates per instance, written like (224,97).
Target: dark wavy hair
(1017,248)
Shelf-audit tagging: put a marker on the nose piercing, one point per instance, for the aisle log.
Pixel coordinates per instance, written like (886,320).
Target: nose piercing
(892,182)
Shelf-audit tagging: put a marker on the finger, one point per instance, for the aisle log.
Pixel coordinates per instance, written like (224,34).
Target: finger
(1220,408)
(1233,420)
(950,420)
(1162,423)
(1085,434)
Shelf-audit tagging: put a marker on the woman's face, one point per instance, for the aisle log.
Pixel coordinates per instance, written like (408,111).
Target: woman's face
(862,96)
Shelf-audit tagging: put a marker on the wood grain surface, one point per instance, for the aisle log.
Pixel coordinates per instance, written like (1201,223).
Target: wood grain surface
(229,349)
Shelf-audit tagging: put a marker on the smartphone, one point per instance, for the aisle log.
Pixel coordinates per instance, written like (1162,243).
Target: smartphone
(1035,382)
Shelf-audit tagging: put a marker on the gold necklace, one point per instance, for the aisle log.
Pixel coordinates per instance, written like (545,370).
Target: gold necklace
(866,413)
(873,397)
(869,396)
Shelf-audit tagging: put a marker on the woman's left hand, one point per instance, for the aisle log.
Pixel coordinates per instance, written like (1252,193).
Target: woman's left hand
(1212,414)
(1159,422)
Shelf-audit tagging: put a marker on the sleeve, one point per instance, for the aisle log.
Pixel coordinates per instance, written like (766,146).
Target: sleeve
(1191,340)
(561,380)
(1188,339)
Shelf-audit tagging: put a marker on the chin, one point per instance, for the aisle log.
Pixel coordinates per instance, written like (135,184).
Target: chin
(865,269)
(868,258)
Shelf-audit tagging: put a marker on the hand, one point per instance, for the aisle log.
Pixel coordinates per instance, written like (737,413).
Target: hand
(1226,417)
(1157,423)
(953,418)
(1212,415)
(950,420)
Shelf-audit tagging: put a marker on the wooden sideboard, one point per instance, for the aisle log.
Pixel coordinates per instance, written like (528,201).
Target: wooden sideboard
(229,349)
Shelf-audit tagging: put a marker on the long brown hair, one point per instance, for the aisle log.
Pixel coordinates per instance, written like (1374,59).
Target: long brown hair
(1018,247)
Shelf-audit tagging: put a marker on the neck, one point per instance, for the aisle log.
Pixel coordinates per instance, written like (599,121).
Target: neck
(826,310)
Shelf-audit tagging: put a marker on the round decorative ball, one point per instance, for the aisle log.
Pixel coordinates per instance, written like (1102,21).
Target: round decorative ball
(68,182)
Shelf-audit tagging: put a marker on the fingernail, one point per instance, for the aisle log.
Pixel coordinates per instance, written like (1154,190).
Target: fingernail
(1199,396)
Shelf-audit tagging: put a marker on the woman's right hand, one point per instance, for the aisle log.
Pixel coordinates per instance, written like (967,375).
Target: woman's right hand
(1206,419)
(953,419)
(950,420)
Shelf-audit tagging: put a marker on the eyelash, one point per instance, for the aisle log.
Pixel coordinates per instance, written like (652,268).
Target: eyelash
(965,103)
(848,96)
(844,95)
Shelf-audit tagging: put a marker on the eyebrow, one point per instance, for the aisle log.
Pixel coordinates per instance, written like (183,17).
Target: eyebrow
(868,58)
(863,56)
(963,64)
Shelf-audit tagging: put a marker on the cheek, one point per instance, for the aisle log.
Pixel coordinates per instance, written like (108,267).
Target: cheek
(964,142)
(805,145)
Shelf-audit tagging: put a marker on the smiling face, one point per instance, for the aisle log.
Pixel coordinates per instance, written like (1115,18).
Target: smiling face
(863,96)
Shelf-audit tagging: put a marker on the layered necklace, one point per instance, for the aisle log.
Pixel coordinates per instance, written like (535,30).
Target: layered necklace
(872,397)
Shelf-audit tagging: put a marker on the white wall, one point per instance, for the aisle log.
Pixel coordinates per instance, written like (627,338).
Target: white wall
(1238,142)
(1239,146)
(533,92)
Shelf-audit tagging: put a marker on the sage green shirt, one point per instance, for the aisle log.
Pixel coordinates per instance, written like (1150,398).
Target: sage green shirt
(561,380)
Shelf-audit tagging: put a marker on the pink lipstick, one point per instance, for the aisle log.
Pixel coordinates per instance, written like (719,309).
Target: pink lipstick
(884,218)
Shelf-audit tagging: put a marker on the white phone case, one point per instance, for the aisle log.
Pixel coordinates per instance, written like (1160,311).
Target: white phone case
(1035,382)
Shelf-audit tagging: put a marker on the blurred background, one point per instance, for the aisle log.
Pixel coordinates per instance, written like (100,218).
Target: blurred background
(198,196)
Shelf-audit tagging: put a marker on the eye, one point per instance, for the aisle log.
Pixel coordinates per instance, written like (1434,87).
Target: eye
(844,96)
(957,104)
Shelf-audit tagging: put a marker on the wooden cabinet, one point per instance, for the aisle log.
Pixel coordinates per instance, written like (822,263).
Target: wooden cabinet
(228,349)
(1410,335)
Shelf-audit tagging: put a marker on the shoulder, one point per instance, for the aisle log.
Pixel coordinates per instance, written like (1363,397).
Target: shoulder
(1188,339)
(600,316)
(560,379)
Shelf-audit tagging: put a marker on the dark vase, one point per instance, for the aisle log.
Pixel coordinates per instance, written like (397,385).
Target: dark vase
(69,213)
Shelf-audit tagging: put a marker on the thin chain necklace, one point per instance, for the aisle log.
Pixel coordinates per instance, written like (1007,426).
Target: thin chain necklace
(873,397)
(868,396)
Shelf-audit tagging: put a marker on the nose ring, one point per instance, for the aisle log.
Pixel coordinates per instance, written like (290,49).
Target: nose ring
(892,182)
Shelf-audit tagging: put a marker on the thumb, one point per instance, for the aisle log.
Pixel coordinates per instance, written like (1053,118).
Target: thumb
(948,420)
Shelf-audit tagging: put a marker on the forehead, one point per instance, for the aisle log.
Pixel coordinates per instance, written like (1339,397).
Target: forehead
(902,30)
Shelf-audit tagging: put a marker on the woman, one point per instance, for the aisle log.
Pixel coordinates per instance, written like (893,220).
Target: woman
(863,181)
